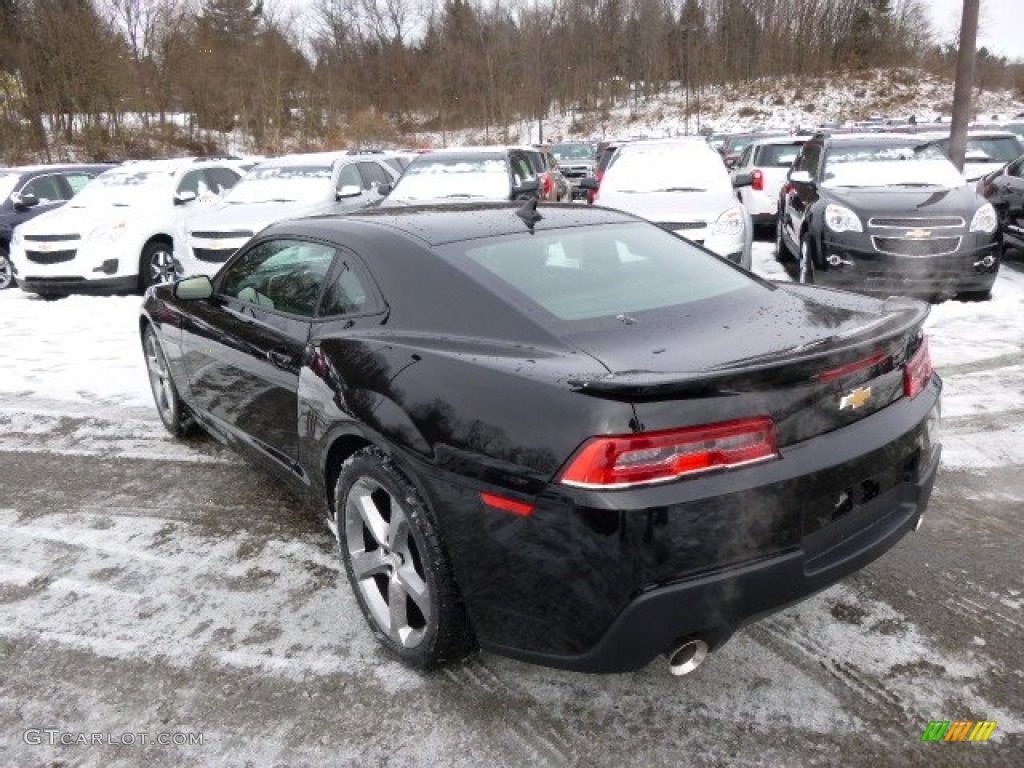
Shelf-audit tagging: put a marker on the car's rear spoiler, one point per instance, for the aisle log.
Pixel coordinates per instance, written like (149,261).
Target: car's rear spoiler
(894,330)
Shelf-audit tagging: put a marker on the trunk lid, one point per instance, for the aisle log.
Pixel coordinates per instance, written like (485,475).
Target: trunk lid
(810,358)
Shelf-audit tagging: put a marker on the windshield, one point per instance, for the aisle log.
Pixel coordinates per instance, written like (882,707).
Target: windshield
(283,183)
(8,181)
(461,176)
(995,150)
(605,271)
(565,152)
(125,187)
(890,165)
(666,168)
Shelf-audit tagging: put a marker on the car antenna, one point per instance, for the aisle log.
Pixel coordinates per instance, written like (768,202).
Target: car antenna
(528,213)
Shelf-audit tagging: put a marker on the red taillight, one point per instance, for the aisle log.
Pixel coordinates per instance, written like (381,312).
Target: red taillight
(846,370)
(757,182)
(546,184)
(506,505)
(918,371)
(619,461)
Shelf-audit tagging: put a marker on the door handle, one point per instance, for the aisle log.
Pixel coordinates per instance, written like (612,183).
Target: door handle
(280,359)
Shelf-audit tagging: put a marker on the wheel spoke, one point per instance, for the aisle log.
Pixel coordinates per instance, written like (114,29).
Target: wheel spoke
(415,587)
(398,530)
(366,509)
(398,628)
(365,565)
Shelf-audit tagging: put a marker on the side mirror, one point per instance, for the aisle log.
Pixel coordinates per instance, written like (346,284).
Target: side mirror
(742,180)
(193,288)
(384,189)
(801,177)
(349,190)
(589,183)
(181,198)
(24,202)
(528,187)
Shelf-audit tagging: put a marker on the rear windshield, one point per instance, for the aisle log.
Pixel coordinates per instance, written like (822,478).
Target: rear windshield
(777,155)
(592,272)
(992,150)
(569,152)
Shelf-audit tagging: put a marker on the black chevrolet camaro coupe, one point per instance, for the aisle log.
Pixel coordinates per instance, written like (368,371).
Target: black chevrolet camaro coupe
(559,433)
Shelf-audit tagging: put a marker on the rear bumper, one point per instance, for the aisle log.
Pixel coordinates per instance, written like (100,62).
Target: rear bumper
(604,581)
(713,606)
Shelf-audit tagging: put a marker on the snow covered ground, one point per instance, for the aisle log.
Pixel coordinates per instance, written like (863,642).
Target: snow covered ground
(149,585)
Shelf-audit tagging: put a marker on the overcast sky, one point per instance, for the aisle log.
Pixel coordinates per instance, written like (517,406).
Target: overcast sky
(1001,28)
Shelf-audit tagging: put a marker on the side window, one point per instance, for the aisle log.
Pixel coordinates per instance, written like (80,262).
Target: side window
(221,179)
(521,170)
(810,159)
(47,188)
(285,275)
(349,177)
(77,181)
(348,293)
(1016,168)
(745,160)
(195,181)
(373,175)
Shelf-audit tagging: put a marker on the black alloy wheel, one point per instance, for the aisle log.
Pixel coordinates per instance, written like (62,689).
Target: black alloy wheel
(397,565)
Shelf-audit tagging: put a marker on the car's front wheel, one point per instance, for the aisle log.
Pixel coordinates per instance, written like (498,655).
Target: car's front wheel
(397,564)
(805,268)
(156,265)
(173,413)
(6,269)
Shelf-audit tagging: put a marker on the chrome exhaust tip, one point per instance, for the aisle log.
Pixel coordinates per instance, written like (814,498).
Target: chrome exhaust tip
(685,657)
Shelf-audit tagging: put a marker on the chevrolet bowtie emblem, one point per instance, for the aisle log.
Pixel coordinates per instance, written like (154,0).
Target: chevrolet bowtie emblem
(855,398)
(919,234)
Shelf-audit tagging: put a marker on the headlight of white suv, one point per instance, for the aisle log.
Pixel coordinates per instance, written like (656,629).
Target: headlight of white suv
(110,233)
(729,224)
(985,219)
(841,219)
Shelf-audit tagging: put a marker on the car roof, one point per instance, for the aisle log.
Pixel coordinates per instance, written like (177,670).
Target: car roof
(318,158)
(871,137)
(436,224)
(56,168)
(798,139)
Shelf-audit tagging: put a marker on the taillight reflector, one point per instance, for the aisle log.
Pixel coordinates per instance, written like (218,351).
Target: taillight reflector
(620,461)
(846,370)
(757,182)
(917,371)
(506,505)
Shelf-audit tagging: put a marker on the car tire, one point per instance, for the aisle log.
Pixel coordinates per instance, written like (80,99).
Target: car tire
(805,264)
(397,565)
(173,412)
(156,265)
(6,269)
(781,250)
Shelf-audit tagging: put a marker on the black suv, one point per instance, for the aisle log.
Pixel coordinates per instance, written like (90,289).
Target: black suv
(29,190)
(882,213)
(1004,188)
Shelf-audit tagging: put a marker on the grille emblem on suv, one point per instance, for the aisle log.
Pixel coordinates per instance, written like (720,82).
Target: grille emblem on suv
(855,398)
(919,234)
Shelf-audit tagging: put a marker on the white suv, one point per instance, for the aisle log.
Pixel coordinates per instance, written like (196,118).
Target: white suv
(682,186)
(276,189)
(767,161)
(116,235)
